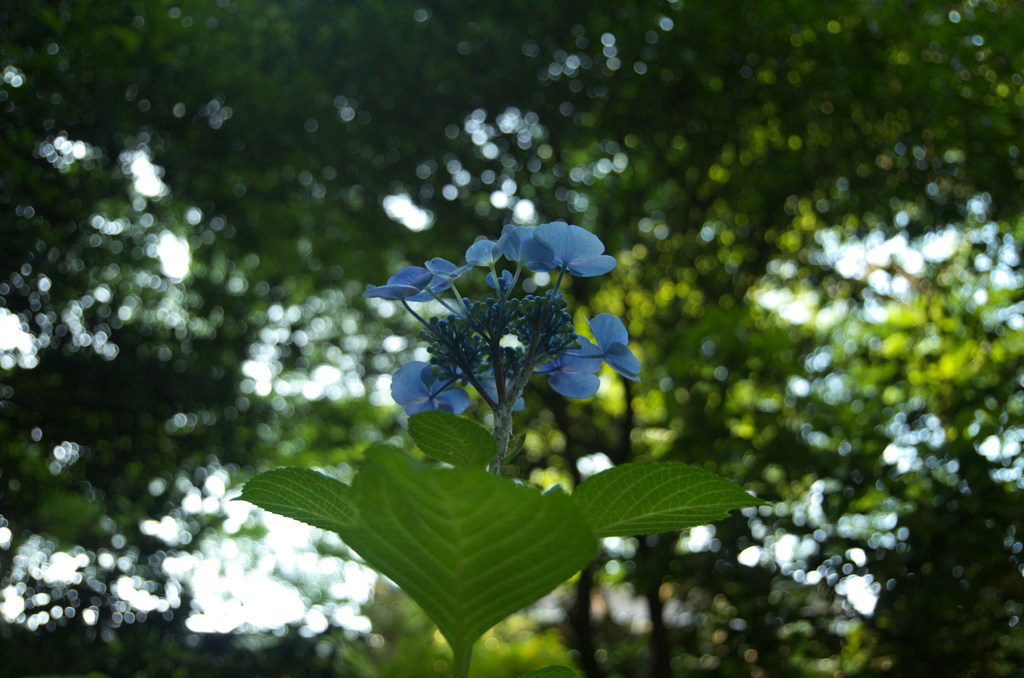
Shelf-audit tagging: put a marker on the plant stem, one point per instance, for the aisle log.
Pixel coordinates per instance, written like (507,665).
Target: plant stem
(460,661)
(503,412)
(502,433)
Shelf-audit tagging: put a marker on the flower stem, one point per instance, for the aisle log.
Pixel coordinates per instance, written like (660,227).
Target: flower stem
(458,298)
(445,304)
(417,316)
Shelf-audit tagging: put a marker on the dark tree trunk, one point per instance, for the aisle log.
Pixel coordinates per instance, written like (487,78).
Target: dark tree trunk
(659,645)
(579,621)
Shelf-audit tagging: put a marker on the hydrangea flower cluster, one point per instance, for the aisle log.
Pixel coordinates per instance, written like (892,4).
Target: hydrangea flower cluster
(496,345)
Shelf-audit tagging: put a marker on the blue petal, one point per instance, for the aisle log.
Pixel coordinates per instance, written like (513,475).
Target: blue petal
(436,286)
(538,258)
(505,279)
(517,244)
(592,267)
(587,358)
(427,376)
(607,330)
(441,284)
(407,385)
(580,365)
(572,385)
(417,406)
(622,360)
(612,338)
(393,292)
(408,283)
(453,399)
(483,253)
(574,248)
(572,374)
(446,270)
(568,244)
(413,276)
(510,242)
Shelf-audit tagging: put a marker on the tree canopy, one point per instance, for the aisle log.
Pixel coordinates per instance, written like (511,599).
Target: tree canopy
(817,211)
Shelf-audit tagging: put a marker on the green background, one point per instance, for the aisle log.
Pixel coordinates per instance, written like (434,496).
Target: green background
(816,209)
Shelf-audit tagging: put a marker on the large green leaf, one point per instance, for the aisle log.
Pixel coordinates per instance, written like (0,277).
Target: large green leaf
(469,547)
(455,440)
(656,497)
(551,672)
(303,495)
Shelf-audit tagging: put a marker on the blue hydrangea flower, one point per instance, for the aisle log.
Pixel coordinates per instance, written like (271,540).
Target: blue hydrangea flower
(505,280)
(417,389)
(517,244)
(496,345)
(573,248)
(483,253)
(612,339)
(412,283)
(446,270)
(407,283)
(573,375)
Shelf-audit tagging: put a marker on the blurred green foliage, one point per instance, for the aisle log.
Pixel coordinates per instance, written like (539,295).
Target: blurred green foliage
(817,210)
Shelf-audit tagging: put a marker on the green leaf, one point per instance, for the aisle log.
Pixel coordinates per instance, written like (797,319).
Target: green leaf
(455,440)
(303,495)
(656,497)
(551,672)
(469,547)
